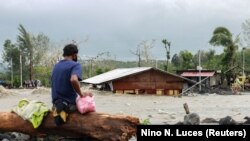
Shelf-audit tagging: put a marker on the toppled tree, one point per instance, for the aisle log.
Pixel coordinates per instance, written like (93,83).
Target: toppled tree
(96,126)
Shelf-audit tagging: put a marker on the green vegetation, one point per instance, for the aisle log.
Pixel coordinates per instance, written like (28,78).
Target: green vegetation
(37,55)
(30,51)
(145,121)
(167,45)
(223,37)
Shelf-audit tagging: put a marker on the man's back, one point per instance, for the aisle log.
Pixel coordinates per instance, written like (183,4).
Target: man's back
(61,85)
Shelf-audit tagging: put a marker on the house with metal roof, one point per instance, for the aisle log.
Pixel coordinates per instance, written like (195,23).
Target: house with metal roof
(212,77)
(139,80)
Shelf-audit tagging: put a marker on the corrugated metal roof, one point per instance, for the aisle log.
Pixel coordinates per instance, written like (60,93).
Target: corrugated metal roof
(114,74)
(197,74)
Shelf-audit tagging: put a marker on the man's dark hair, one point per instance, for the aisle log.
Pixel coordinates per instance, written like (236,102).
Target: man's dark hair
(70,49)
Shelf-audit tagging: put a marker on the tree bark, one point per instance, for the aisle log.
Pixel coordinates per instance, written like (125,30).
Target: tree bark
(96,126)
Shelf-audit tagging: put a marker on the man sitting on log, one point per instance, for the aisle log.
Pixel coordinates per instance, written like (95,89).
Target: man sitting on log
(65,79)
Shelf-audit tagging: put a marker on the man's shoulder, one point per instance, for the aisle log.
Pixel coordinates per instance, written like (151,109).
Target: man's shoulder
(68,62)
(76,63)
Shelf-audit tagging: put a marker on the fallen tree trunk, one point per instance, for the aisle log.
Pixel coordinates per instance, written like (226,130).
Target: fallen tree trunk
(97,126)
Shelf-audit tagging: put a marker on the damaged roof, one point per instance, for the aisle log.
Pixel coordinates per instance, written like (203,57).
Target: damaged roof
(121,72)
(197,74)
(114,74)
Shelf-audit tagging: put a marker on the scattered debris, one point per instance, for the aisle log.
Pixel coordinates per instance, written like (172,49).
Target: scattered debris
(247,120)
(172,117)
(186,108)
(162,112)
(4,91)
(179,123)
(14,136)
(228,120)
(150,116)
(191,119)
(209,120)
(128,104)
(41,90)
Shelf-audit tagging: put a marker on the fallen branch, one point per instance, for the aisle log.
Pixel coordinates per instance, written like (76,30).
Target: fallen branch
(97,126)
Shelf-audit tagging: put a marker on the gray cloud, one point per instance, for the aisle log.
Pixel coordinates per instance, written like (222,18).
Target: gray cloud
(118,26)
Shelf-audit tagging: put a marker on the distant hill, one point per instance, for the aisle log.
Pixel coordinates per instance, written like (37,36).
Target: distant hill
(90,67)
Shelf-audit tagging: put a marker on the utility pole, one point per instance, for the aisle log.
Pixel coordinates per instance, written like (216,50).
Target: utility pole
(199,70)
(156,63)
(92,59)
(11,73)
(91,66)
(243,67)
(21,72)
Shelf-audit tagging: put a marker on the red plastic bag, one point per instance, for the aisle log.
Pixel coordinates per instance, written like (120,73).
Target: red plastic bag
(85,104)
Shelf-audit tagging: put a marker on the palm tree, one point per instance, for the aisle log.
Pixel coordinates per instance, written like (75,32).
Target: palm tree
(223,37)
(24,40)
(167,47)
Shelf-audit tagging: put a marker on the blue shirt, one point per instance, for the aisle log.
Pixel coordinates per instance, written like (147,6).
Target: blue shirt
(61,85)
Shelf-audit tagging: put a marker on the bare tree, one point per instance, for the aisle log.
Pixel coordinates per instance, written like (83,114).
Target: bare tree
(92,60)
(143,51)
(146,46)
(138,54)
(53,55)
(84,41)
(246,32)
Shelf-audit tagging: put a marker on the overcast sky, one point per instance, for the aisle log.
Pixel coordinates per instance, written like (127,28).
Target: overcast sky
(117,26)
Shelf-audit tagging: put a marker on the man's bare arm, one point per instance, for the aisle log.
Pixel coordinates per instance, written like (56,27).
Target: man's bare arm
(76,84)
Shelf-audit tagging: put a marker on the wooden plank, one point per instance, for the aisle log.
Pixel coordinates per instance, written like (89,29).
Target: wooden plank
(129,91)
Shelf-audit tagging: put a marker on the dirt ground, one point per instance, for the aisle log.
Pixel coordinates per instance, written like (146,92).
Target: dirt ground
(158,109)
